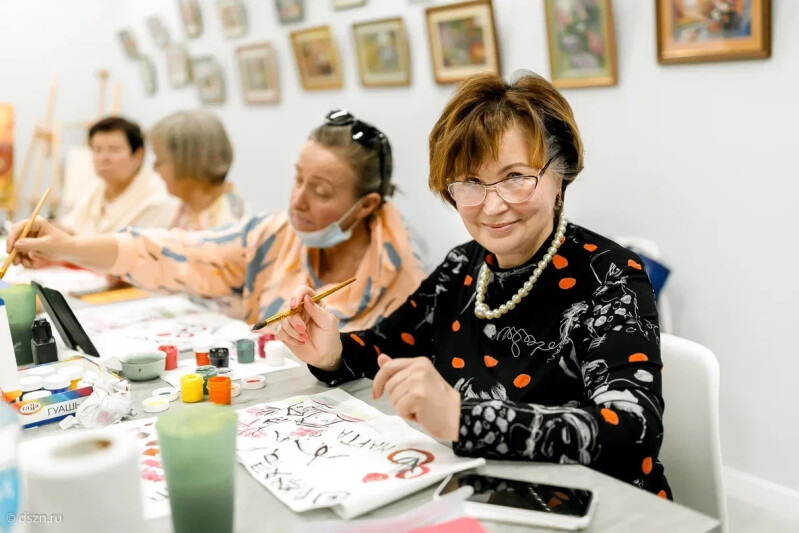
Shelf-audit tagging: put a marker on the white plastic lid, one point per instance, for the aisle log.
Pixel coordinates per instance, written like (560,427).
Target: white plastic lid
(56,381)
(155,405)
(235,389)
(72,372)
(253,382)
(43,370)
(30,383)
(168,393)
(35,395)
(203,347)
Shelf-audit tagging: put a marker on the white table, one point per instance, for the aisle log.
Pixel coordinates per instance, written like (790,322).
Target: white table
(620,507)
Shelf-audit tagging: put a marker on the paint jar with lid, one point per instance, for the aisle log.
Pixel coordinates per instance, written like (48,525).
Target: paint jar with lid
(74,373)
(56,383)
(219,390)
(30,384)
(206,371)
(201,350)
(245,351)
(171,356)
(220,357)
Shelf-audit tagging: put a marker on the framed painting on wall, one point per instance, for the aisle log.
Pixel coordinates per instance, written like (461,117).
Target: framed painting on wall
(158,31)
(317,58)
(383,54)
(258,68)
(192,17)
(233,17)
(463,40)
(178,66)
(209,80)
(692,31)
(129,45)
(347,4)
(147,73)
(289,11)
(582,43)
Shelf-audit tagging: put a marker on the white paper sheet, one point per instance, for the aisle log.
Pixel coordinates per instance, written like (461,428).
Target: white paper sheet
(155,499)
(333,450)
(63,279)
(143,325)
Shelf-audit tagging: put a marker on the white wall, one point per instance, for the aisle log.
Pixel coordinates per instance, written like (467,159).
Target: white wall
(699,158)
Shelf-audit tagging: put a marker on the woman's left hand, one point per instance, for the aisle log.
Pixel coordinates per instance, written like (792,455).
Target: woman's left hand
(419,393)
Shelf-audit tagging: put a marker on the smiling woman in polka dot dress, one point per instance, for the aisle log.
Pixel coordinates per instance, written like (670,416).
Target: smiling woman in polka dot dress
(539,339)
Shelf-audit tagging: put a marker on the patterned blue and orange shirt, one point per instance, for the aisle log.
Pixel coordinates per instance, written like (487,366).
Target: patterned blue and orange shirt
(251,268)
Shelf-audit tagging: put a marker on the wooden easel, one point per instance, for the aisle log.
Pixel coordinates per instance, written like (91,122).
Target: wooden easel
(45,145)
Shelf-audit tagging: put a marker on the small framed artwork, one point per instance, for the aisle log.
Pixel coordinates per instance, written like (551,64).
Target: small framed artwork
(233,17)
(463,40)
(258,68)
(158,32)
(693,31)
(192,17)
(317,58)
(289,11)
(147,73)
(383,55)
(129,44)
(209,80)
(347,4)
(178,66)
(582,43)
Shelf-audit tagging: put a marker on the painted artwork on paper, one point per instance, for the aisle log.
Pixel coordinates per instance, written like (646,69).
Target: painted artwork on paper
(333,450)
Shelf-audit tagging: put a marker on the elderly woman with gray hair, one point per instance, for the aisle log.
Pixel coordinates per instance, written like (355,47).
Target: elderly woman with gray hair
(193,155)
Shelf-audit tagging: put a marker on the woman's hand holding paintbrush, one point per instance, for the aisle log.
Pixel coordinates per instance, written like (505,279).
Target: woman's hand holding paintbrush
(311,333)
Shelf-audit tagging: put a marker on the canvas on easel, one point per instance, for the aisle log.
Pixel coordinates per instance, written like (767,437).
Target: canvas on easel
(7,198)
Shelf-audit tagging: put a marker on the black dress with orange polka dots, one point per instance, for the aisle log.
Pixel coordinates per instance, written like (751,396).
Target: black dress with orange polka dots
(571,375)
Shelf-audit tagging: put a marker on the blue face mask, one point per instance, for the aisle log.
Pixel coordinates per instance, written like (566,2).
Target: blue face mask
(329,236)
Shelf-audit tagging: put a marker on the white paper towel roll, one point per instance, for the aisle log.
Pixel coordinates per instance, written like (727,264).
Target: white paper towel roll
(87,481)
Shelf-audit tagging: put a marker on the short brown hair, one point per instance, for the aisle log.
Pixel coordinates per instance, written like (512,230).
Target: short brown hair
(130,129)
(483,108)
(197,143)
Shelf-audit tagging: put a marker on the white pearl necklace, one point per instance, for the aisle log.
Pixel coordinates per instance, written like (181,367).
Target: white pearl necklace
(481,310)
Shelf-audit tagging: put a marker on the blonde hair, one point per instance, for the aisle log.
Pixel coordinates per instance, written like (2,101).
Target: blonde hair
(483,108)
(197,143)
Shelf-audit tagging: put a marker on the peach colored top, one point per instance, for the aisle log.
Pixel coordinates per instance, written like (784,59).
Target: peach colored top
(254,266)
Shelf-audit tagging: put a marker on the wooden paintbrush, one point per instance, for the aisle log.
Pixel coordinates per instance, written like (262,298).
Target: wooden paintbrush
(280,316)
(25,231)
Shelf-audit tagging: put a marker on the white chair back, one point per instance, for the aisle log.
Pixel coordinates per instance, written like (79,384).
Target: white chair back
(691,451)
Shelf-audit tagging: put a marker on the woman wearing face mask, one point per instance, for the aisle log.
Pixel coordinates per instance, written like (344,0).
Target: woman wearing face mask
(538,340)
(338,226)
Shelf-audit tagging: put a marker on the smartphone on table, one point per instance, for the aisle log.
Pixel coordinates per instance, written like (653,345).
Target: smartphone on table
(523,502)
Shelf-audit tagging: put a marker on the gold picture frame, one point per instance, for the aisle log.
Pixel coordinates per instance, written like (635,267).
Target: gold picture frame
(708,30)
(384,58)
(259,77)
(582,43)
(463,40)
(317,58)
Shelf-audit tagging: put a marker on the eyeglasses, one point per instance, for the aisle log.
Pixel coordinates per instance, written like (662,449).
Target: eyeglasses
(364,134)
(513,190)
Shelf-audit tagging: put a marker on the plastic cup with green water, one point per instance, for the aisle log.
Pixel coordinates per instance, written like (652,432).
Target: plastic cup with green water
(198,448)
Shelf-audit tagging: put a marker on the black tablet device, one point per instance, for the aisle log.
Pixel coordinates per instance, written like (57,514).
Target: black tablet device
(65,321)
